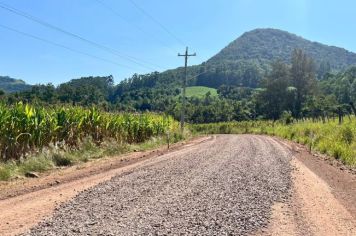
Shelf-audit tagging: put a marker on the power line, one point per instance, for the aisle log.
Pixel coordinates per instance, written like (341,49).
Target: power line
(63,46)
(157,22)
(58,29)
(39,21)
(134,25)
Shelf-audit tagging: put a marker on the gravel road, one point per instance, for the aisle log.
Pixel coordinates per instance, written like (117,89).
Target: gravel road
(225,186)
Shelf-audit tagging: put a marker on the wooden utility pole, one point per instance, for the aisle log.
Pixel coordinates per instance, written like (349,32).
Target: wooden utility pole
(182,112)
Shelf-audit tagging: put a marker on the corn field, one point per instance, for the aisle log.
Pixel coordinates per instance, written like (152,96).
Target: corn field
(26,128)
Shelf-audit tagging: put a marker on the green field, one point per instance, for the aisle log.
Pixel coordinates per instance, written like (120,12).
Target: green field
(200,91)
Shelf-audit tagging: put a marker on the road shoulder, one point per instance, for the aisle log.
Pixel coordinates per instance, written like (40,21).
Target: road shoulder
(322,201)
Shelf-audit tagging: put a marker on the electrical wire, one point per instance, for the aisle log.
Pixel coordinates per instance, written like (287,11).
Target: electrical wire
(63,46)
(157,22)
(195,76)
(115,12)
(58,29)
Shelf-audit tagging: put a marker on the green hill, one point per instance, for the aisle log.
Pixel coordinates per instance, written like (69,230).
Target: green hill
(246,60)
(265,45)
(200,91)
(10,85)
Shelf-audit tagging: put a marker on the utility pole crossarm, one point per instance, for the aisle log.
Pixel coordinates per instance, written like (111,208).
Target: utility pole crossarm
(189,55)
(186,56)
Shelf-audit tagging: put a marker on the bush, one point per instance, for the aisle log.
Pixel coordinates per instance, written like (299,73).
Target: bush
(61,160)
(287,117)
(224,129)
(347,135)
(337,152)
(177,137)
(323,148)
(5,172)
(307,132)
(36,164)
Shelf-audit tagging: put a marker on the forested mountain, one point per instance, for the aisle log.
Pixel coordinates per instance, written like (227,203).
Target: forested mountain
(245,61)
(264,74)
(248,58)
(10,85)
(266,45)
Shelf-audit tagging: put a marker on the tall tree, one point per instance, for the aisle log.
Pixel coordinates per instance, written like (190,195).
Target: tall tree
(302,78)
(273,98)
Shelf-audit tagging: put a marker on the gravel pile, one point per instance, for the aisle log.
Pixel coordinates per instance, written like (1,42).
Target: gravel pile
(226,186)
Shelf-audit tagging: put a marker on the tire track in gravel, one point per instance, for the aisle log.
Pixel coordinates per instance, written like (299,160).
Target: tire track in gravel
(226,186)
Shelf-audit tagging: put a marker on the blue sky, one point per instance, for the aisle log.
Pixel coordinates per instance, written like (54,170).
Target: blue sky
(206,26)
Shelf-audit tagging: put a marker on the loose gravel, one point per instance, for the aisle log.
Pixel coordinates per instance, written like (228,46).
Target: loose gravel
(225,186)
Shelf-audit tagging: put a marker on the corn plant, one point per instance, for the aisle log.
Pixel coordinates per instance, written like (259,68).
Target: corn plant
(25,128)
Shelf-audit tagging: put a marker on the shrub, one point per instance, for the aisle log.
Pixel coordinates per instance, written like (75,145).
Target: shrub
(337,151)
(35,164)
(61,160)
(292,135)
(307,132)
(347,135)
(5,172)
(177,137)
(287,117)
(224,129)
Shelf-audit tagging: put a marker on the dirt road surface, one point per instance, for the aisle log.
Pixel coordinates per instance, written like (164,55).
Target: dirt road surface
(227,185)
(24,202)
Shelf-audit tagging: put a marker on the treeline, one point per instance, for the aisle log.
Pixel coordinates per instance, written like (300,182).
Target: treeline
(296,90)
(138,93)
(288,91)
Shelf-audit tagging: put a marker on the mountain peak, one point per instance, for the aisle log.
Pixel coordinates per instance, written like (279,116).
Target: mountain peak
(268,44)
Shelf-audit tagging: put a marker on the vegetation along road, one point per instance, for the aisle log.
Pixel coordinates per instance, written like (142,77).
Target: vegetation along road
(229,184)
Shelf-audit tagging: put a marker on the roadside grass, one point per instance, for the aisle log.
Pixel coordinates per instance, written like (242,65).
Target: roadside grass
(54,157)
(155,142)
(330,138)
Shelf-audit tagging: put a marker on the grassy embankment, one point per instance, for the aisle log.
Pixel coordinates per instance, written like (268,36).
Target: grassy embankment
(37,139)
(330,138)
